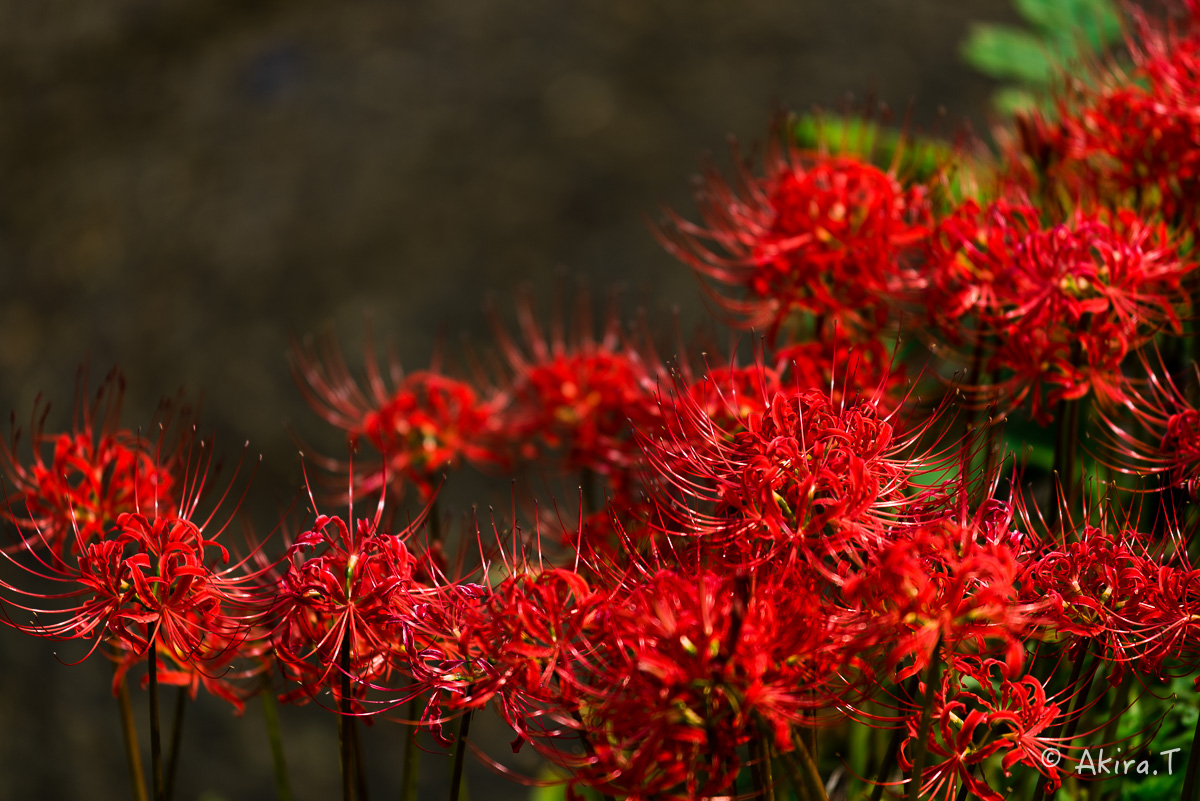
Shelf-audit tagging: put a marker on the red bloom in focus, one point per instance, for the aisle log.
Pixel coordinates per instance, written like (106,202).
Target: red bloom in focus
(685,668)
(945,581)
(527,641)
(156,577)
(803,470)
(1166,438)
(829,235)
(343,599)
(422,426)
(1055,311)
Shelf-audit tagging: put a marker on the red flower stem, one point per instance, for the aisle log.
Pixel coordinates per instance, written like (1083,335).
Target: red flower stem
(345,721)
(409,765)
(176,737)
(283,788)
(460,752)
(156,772)
(932,680)
(133,753)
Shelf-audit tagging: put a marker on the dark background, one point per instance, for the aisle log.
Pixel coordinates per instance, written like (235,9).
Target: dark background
(186,182)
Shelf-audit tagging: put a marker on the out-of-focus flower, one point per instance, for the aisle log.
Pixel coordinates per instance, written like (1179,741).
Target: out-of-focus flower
(828,235)
(577,399)
(421,424)
(95,473)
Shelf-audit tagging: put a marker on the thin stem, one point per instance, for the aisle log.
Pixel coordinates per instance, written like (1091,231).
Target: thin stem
(283,788)
(587,744)
(345,724)
(756,770)
(133,753)
(803,776)
(155,733)
(587,490)
(1065,448)
(932,679)
(460,752)
(765,782)
(360,771)
(1192,777)
(893,749)
(409,791)
(1076,672)
(176,738)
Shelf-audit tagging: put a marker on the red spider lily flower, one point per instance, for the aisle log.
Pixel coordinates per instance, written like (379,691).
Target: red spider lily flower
(228,665)
(579,396)
(335,614)
(803,470)
(1135,130)
(847,370)
(1095,585)
(156,577)
(422,425)
(685,668)
(944,582)
(96,472)
(1055,310)
(981,711)
(528,638)
(829,235)
(1165,437)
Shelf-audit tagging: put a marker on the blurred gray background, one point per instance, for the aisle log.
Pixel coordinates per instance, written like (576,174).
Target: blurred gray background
(183,183)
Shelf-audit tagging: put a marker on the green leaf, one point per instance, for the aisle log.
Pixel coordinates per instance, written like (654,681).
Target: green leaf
(1095,23)
(1003,51)
(1011,99)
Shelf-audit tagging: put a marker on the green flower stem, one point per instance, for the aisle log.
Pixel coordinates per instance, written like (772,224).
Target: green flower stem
(1076,672)
(893,749)
(760,767)
(802,772)
(1191,779)
(181,698)
(133,753)
(156,772)
(345,723)
(360,770)
(932,680)
(460,753)
(283,787)
(587,744)
(409,765)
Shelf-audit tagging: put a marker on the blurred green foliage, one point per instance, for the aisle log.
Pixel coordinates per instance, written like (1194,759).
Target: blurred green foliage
(1059,33)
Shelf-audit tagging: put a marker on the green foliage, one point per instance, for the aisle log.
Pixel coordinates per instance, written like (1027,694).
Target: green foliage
(918,159)
(1059,33)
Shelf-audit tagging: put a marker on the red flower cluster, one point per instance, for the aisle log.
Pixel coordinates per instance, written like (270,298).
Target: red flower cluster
(1053,311)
